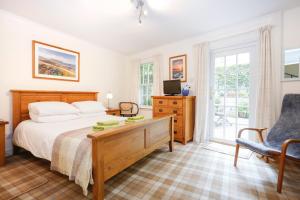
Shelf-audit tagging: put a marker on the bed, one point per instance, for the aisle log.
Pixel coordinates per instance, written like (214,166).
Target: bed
(112,150)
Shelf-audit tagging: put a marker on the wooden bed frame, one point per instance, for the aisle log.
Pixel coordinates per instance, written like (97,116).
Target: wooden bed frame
(112,150)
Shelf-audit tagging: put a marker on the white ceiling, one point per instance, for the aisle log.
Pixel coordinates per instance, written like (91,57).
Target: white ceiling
(113,24)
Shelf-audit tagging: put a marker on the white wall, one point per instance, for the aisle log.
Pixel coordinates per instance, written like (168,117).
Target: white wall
(291,39)
(286,35)
(100,69)
(245,32)
(233,35)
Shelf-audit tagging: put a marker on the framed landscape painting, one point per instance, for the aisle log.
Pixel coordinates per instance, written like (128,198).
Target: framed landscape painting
(177,67)
(52,62)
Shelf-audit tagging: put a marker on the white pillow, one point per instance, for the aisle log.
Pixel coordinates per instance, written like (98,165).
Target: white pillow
(52,118)
(48,108)
(100,114)
(89,106)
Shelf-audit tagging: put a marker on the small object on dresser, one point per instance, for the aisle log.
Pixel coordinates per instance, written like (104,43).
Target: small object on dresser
(2,142)
(186,90)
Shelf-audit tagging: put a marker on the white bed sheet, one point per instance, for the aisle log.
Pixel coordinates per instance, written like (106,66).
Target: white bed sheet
(38,138)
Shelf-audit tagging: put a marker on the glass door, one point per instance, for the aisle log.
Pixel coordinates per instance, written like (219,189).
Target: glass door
(231,92)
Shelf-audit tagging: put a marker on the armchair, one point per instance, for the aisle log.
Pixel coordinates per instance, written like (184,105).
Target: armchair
(282,141)
(128,109)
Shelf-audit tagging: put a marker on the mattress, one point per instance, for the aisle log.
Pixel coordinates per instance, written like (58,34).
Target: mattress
(38,138)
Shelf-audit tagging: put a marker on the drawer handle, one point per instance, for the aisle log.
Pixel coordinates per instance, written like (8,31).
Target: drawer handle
(174,111)
(175,120)
(175,132)
(113,113)
(160,110)
(160,102)
(175,102)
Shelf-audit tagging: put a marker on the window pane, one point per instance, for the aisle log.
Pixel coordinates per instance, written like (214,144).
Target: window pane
(141,74)
(151,74)
(219,81)
(146,83)
(219,62)
(230,98)
(219,97)
(244,76)
(144,90)
(230,60)
(230,113)
(243,59)
(145,74)
(231,77)
(219,121)
(150,90)
(219,73)
(144,100)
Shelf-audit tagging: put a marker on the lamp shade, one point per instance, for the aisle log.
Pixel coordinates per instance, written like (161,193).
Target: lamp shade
(109,95)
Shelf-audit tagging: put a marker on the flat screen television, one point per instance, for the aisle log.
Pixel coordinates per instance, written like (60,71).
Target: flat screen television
(172,87)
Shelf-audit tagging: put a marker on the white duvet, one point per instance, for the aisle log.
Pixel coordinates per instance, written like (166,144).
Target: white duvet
(38,138)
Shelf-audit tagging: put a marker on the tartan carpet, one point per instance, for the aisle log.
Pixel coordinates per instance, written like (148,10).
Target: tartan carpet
(227,149)
(190,172)
(22,181)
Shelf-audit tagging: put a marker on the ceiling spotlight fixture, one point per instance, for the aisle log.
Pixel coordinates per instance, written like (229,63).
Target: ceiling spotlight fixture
(141,10)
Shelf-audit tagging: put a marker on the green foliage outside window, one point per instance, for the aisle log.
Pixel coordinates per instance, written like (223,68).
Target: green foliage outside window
(146,84)
(237,84)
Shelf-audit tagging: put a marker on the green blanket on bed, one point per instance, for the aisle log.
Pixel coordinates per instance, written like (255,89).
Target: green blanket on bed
(108,123)
(135,119)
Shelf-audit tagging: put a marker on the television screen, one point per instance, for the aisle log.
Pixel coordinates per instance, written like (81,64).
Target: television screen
(172,87)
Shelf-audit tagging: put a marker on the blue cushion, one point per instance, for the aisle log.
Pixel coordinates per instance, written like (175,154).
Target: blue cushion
(260,148)
(287,127)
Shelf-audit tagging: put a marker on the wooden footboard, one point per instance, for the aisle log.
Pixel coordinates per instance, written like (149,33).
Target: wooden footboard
(115,150)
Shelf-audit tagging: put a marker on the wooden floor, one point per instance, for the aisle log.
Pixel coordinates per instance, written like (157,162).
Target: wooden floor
(190,172)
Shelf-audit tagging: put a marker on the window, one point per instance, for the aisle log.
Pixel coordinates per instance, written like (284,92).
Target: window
(231,97)
(146,84)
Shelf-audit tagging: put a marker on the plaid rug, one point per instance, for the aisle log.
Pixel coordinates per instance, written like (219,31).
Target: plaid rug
(228,149)
(190,172)
(15,181)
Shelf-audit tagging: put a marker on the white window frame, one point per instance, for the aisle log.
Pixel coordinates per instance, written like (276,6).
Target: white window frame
(148,85)
(249,47)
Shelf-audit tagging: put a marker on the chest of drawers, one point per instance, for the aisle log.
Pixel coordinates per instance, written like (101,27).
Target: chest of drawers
(2,142)
(184,109)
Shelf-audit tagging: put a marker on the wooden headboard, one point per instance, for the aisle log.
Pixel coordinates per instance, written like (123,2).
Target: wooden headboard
(21,99)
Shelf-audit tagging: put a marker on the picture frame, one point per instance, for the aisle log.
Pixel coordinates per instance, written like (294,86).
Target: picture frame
(54,63)
(178,68)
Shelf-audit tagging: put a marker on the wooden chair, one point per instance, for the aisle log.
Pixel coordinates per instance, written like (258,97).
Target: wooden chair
(282,141)
(128,109)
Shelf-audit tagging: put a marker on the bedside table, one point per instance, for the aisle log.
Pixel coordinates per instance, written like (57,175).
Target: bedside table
(2,142)
(113,111)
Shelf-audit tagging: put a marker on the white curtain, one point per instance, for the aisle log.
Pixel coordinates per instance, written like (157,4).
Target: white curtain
(202,62)
(135,81)
(157,80)
(268,90)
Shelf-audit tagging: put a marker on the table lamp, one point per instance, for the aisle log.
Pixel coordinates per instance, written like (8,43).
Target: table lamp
(109,96)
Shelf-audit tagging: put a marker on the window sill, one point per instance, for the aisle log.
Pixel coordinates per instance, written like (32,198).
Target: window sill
(146,107)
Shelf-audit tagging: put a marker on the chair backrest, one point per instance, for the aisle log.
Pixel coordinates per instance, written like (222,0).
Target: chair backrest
(288,125)
(128,107)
